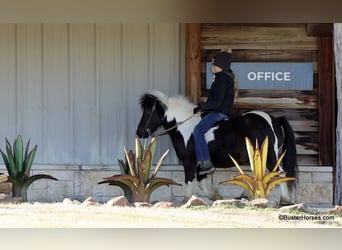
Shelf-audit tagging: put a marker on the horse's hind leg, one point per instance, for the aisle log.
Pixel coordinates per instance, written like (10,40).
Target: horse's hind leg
(285,192)
(207,187)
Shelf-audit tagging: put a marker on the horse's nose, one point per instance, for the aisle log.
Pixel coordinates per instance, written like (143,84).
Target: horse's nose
(142,133)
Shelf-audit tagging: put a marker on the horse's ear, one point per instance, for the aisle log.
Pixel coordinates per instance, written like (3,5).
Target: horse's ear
(147,100)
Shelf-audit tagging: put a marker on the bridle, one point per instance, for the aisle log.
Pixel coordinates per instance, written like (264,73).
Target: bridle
(167,130)
(176,125)
(150,118)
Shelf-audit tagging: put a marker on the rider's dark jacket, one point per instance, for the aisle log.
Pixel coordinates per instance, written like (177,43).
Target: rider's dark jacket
(221,94)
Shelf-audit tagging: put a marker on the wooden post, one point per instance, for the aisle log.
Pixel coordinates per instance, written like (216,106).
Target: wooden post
(338,68)
(326,101)
(193,62)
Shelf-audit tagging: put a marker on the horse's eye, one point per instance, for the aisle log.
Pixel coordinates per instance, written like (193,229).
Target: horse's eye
(147,111)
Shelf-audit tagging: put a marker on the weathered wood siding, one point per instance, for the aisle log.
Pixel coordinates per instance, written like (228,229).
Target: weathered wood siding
(272,43)
(74,88)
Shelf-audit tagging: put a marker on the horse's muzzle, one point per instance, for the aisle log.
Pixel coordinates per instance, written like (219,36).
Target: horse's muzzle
(143,133)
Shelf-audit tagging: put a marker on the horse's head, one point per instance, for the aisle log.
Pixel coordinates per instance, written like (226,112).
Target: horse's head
(153,114)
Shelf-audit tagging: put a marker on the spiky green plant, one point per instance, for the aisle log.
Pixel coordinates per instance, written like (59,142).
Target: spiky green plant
(18,164)
(135,179)
(260,184)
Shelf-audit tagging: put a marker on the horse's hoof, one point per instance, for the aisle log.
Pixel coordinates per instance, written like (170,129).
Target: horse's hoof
(283,203)
(215,195)
(185,200)
(242,197)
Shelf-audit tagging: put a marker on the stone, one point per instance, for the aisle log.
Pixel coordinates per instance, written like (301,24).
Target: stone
(262,203)
(76,202)
(3,178)
(2,196)
(12,200)
(194,201)
(164,204)
(314,193)
(90,202)
(336,210)
(142,204)
(67,201)
(234,202)
(6,187)
(296,207)
(120,201)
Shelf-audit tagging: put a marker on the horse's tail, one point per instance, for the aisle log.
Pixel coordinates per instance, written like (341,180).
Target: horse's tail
(290,158)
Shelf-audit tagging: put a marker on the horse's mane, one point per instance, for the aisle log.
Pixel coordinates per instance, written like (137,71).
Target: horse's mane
(178,107)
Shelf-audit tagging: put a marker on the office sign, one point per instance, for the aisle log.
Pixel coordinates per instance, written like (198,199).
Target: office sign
(277,76)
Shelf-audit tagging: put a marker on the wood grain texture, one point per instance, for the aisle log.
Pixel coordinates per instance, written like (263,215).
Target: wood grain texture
(279,43)
(193,62)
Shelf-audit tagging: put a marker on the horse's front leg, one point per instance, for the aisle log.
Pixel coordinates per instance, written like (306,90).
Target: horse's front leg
(208,188)
(190,180)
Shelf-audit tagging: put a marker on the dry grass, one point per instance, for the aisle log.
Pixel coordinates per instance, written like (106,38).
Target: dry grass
(59,215)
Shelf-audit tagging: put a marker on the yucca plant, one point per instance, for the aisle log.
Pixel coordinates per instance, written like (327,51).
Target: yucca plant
(18,164)
(260,184)
(135,179)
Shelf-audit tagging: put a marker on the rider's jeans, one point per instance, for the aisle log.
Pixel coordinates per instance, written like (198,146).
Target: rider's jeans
(201,146)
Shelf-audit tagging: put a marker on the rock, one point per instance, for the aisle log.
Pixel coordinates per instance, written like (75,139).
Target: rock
(262,203)
(235,202)
(67,201)
(142,204)
(120,201)
(336,210)
(12,200)
(6,187)
(3,178)
(2,196)
(164,204)
(194,201)
(90,202)
(295,207)
(76,202)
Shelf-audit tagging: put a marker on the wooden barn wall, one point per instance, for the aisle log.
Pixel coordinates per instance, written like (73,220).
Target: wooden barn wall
(74,88)
(272,43)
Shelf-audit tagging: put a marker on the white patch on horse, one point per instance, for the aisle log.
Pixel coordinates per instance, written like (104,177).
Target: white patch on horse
(191,188)
(206,185)
(160,95)
(210,136)
(268,118)
(285,193)
(180,109)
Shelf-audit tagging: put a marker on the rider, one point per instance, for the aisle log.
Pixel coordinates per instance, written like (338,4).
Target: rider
(217,107)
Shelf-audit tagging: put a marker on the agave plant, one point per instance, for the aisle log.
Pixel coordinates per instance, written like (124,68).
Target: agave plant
(260,184)
(18,164)
(136,179)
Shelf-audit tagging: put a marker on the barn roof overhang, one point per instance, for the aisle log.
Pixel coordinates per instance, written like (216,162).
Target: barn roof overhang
(305,11)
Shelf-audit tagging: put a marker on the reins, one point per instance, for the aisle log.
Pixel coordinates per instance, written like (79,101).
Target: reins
(175,126)
(169,129)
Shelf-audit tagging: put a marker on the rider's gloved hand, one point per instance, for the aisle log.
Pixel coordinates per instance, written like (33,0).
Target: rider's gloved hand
(197,109)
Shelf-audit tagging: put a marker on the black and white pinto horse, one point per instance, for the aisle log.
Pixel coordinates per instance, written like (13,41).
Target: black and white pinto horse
(225,137)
